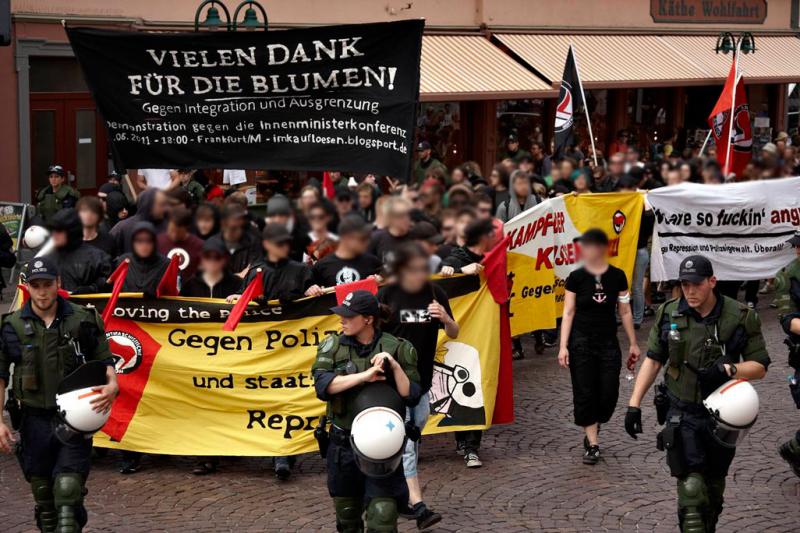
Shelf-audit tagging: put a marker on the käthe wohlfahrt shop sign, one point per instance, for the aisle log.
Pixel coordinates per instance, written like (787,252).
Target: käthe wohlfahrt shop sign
(709,11)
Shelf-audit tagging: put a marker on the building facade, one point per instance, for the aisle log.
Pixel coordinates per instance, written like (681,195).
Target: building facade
(489,68)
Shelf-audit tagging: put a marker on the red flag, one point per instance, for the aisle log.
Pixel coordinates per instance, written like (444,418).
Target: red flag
(327,185)
(368,284)
(118,278)
(253,291)
(168,286)
(736,151)
(494,264)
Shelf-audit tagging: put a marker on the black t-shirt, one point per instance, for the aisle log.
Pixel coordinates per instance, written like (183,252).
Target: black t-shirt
(383,242)
(331,270)
(596,300)
(410,320)
(105,242)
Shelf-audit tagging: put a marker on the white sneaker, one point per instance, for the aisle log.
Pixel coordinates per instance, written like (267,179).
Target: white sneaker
(472,460)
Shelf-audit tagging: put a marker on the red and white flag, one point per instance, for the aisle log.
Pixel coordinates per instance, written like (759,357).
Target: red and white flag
(734,146)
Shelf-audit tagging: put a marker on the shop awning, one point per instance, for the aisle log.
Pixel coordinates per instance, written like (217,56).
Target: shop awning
(612,61)
(469,67)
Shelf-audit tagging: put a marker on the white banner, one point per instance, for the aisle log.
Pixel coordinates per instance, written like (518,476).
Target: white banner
(741,227)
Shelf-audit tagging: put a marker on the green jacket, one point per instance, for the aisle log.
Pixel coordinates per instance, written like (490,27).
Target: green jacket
(48,203)
(196,191)
(43,356)
(422,168)
(783,289)
(731,328)
(333,356)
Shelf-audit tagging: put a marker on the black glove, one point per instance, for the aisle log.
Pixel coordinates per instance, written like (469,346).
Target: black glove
(633,421)
(710,378)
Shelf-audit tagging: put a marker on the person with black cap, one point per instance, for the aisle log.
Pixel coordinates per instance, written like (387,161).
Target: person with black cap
(425,162)
(787,299)
(83,268)
(350,262)
(513,151)
(55,196)
(235,236)
(703,340)
(147,266)
(46,340)
(213,279)
(345,364)
(594,293)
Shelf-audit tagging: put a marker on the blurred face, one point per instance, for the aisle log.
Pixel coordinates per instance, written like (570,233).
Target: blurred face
(414,275)
(686,172)
(355,243)
(566,168)
(494,179)
(59,238)
(674,177)
(457,201)
(318,219)
(513,146)
(522,187)
(143,245)
(308,199)
(352,326)
(277,250)
(697,294)
(364,199)
(632,156)
(212,262)
(536,150)
(526,166)
(424,154)
(233,228)
(449,228)
(56,180)
(461,224)
(593,254)
(89,218)
(400,219)
(616,164)
(43,293)
(430,197)
(344,205)
(581,183)
(160,206)
(283,220)
(457,176)
(484,210)
(205,225)
(177,233)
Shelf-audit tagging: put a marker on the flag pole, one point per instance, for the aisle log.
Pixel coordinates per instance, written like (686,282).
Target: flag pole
(585,104)
(733,108)
(705,143)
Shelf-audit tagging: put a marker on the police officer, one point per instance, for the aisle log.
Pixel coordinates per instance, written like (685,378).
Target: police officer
(361,354)
(788,301)
(702,339)
(57,195)
(45,340)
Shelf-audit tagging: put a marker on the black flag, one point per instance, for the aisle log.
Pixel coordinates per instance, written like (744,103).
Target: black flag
(570,102)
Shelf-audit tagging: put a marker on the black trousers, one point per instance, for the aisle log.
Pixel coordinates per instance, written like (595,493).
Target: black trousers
(594,365)
(731,290)
(346,480)
(41,454)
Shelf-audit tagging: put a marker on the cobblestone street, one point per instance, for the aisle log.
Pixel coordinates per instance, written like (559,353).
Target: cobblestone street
(532,477)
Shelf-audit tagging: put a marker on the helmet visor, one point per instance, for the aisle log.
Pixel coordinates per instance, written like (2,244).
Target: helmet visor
(728,437)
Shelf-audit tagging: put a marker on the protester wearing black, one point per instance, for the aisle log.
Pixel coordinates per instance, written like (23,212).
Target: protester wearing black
(83,268)
(213,279)
(242,246)
(7,257)
(206,221)
(115,202)
(147,266)
(95,228)
(279,211)
(350,262)
(151,207)
(398,224)
(589,346)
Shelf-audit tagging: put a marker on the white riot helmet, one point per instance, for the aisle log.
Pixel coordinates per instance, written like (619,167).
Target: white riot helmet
(35,236)
(378,432)
(77,418)
(734,409)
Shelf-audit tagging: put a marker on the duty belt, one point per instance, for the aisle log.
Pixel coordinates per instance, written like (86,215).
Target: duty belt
(340,436)
(38,411)
(690,407)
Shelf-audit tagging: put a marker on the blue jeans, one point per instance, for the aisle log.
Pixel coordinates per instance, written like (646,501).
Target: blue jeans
(637,285)
(418,415)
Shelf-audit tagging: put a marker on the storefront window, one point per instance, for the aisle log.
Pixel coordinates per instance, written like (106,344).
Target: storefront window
(648,118)
(521,117)
(439,123)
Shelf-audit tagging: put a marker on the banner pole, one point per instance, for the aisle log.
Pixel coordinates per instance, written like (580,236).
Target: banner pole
(703,148)
(585,104)
(733,108)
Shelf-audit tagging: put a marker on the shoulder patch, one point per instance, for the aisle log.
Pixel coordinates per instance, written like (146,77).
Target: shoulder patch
(327,344)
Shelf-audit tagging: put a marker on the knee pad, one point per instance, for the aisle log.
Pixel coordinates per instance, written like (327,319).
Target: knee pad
(68,489)
(348,515)
(382,515)
(692,491)
(42,490)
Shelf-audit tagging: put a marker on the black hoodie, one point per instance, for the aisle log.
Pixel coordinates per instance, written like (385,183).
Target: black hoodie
(285,280)
(116,201)
(83,267)
(144,273)
(123,231)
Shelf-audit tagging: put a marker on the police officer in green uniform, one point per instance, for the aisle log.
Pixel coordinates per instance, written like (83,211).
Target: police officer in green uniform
(787,298)
(55,196)
(702,339)
(46,340)
(361,354)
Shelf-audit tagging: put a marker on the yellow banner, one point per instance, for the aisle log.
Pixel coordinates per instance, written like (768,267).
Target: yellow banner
(188,388)
(541,251)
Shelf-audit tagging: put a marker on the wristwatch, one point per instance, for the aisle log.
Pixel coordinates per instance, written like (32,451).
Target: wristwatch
(733,370)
